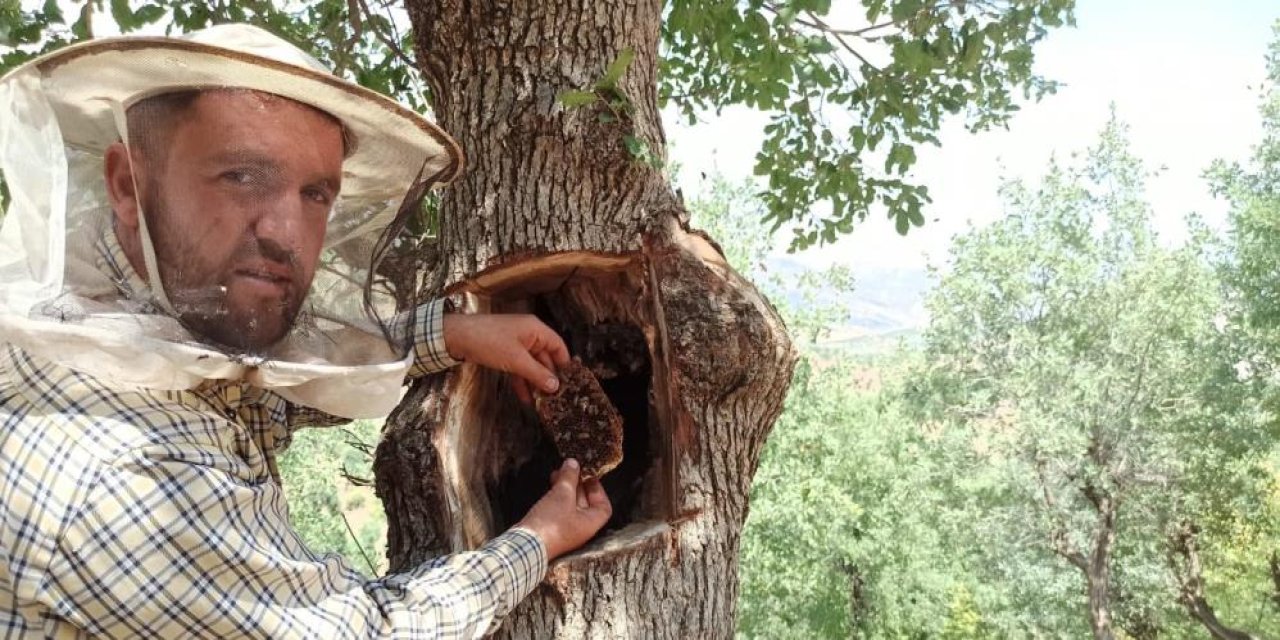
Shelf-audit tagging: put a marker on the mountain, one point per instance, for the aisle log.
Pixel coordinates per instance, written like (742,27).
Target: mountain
(885,302)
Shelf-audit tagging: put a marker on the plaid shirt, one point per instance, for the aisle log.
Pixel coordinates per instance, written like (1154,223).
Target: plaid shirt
(129,513)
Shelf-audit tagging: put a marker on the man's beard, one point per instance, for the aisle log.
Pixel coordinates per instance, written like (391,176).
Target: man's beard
(200,295)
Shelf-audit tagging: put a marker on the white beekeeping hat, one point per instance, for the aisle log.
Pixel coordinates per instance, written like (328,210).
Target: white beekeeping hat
(59,112)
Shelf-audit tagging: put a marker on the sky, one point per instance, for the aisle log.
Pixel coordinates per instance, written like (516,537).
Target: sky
(1185,75)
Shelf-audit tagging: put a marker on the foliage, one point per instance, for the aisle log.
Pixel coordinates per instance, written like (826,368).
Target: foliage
(1249,270)
(323,503)
(843,538)
(850,107)
(1249,534)
(1074,361)
(920,509)
(856,564)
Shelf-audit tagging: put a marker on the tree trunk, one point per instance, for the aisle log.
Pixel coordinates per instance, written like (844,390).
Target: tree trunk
(1098,569)
(558,215)
(1274,565)
(1096,564)
(1184,561)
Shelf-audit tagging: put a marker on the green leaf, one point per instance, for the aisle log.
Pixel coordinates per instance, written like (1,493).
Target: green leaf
(616,68)
(123,15)
(974,45)
(901,157)
(904,9)
(51,11)
(573,99)
(150,14)
(914,215)
(902,224)
(635,146)
(80,29)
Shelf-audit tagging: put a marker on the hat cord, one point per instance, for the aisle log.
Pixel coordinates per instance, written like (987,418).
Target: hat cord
(153,279)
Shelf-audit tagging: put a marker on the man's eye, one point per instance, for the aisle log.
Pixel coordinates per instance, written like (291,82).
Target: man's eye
(237,176)
(318,196)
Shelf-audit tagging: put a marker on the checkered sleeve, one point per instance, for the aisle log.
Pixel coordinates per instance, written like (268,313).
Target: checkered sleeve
(171,545)
(426,334)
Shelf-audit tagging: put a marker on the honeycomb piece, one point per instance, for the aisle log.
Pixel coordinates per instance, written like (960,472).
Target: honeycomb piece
(582,421)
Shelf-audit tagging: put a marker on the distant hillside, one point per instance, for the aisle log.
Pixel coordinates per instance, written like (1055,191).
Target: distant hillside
(886,304)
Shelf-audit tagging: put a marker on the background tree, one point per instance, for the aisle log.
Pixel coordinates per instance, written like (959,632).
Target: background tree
(1077,357)
(1250,557)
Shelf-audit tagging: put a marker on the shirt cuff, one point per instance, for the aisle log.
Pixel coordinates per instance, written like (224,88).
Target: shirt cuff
(430,354)
(523,555)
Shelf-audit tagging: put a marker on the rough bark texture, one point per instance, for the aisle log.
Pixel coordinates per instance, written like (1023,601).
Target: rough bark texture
(554,216)
(1184,561)
(540,178)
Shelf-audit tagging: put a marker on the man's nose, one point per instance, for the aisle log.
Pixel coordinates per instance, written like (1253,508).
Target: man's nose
(281,222)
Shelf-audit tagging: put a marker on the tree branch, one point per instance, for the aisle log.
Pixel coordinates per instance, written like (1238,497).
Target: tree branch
(1058,538)
(385,40)
(840,39)
(1183,557)
(816,22)
(822,26)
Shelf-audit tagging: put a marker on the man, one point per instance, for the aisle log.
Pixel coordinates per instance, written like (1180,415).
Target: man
(165,329)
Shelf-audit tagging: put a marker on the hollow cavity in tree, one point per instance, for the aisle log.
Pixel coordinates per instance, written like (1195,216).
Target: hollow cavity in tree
(505,458)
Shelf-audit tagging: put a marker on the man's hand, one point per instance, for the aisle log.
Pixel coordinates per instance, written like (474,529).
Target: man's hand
(518,344)
(570,513)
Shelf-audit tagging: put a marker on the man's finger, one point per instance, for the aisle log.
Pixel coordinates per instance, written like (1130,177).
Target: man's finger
(568,477)
(545,359)
(582,498)
(556,348)
(596,497)
(538,376)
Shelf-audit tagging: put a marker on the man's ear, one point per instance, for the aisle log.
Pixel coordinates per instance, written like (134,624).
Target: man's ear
(121,190)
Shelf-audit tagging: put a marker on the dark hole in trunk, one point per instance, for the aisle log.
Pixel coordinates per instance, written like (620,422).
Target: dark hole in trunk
(617,352)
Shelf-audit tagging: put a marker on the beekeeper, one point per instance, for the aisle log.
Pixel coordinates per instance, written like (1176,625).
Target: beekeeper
(184,281)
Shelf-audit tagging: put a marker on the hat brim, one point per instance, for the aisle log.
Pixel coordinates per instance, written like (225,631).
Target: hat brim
(393,142)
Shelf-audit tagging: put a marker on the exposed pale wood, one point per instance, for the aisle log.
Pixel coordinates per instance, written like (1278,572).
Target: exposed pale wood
(539,273)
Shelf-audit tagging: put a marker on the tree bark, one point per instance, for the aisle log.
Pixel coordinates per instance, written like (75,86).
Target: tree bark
(1184,561)
(556,216)
(1098,569)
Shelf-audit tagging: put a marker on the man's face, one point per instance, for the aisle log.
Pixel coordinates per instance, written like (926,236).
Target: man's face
(238,206)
